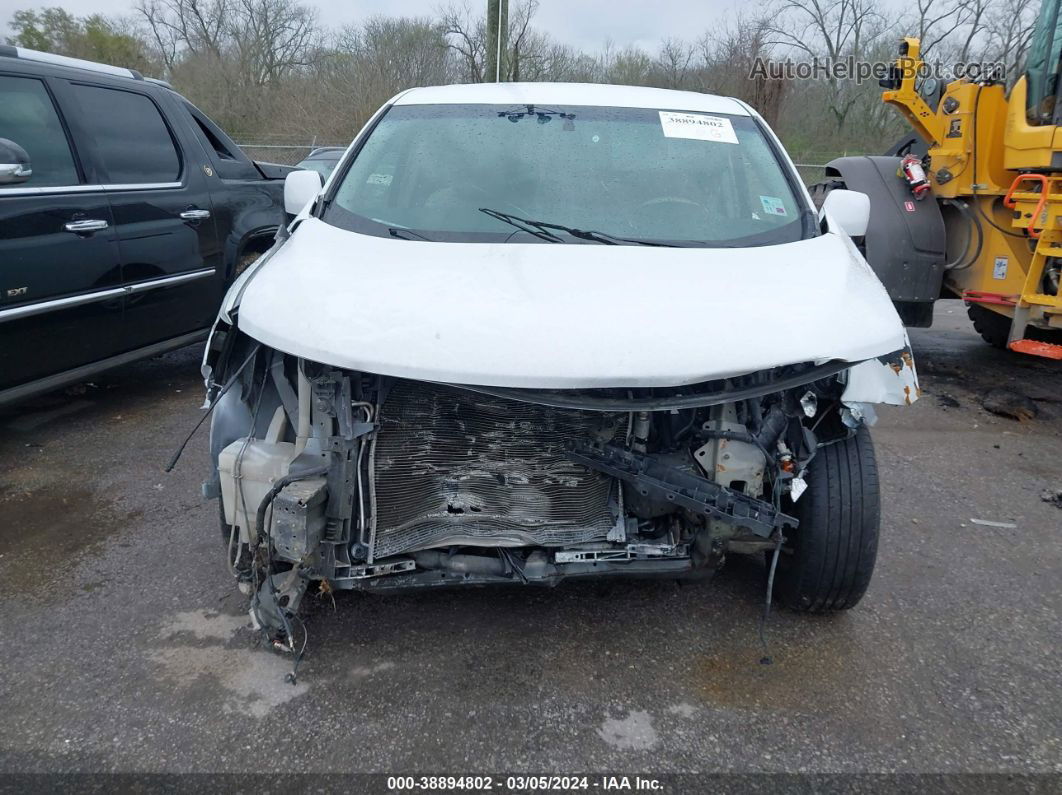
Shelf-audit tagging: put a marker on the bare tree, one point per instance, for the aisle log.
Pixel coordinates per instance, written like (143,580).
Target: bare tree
(830,30)
(271,37)
(262,39)
(520,37)
(728,58)
(974,27)
(265,66)
(195,26)
(672,63)
(630,66)
(1008,30)
(936,21)
(466,36)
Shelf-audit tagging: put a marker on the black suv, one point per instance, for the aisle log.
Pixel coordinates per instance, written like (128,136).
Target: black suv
(124,214)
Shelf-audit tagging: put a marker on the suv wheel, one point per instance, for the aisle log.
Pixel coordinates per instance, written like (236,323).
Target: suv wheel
(827,563)
(245,261)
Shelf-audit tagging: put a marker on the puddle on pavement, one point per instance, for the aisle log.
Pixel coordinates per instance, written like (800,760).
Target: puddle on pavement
(810,674)
(53,524)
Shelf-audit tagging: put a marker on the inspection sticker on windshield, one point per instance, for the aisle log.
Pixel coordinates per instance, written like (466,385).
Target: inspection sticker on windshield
(697,126)
(772,205)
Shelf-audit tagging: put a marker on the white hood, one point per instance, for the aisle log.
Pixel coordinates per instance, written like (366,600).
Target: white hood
(546,315)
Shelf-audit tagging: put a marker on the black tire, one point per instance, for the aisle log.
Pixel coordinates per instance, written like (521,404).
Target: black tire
(820,190)
(827,563)
(226,528)
(245,261)
(993,327)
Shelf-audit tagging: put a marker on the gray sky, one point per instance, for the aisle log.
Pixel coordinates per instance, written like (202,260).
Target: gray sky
(585,24)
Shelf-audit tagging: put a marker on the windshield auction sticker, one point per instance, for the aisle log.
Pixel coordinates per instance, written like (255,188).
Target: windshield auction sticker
(697,126)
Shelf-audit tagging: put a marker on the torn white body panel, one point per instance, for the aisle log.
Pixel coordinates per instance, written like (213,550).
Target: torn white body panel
(567,316)
(887,379)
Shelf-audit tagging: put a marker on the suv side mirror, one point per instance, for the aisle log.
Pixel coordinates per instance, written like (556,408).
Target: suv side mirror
(14,163)
(300,188)
(849,209)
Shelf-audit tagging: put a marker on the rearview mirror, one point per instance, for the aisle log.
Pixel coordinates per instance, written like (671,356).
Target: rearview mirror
(300,188)
(849,209)
(14,163)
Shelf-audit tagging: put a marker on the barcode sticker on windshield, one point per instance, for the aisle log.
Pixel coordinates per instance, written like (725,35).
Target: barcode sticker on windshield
(697,126)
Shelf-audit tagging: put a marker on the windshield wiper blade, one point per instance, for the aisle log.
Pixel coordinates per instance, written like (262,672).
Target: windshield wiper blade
(401,232)
(541,229)
(605,237)
(531,227)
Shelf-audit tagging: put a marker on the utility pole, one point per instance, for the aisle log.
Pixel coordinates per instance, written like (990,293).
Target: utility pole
(497,40)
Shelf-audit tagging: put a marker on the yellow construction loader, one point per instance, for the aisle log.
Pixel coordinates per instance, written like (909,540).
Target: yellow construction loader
(972,207)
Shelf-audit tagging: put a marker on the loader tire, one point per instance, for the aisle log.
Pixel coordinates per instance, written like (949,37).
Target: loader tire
(820,190)
(993,327)
(827,562)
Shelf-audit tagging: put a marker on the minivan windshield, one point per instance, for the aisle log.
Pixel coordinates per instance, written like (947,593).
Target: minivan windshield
(571,174)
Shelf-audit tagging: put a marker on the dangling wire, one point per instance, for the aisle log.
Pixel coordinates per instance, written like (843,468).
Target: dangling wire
(766,658)
(237,474)
(224,389)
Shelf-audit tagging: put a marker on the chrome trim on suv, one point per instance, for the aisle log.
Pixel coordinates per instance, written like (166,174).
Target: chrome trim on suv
(40,307)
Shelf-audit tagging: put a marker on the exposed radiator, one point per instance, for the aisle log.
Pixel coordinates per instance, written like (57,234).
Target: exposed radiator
(456,467)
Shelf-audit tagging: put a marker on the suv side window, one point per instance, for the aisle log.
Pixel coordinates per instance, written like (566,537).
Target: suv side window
(213,139)
(229,160)
(129,135)
(29,118)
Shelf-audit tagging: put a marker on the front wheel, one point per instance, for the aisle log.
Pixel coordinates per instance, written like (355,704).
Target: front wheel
(827,562)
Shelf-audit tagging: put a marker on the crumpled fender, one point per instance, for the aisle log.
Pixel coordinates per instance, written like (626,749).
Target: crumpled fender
(890,379)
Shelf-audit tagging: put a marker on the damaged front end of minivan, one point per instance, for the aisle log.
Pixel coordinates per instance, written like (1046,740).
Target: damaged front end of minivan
(494,351)
(339,479)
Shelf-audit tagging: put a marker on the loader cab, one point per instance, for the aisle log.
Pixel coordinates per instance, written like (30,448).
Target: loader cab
(1034,114)
(1042,68)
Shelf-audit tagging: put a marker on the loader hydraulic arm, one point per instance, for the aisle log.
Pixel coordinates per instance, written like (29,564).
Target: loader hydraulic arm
(901,94)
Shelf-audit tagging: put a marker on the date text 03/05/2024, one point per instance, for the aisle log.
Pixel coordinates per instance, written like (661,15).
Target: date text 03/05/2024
(524,783)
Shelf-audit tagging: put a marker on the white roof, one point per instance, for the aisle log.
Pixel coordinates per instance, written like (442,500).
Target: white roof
(594,94)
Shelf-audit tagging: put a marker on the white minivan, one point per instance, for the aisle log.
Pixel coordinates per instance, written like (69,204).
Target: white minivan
(530,332)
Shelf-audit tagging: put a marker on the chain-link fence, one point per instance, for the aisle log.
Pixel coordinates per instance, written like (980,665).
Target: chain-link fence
(811,173)
(812,164)
(286,150)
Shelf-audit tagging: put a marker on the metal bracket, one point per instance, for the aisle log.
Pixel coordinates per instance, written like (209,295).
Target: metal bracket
(337,444)
(380,569)
(284,388)
(630,552)
(651,478)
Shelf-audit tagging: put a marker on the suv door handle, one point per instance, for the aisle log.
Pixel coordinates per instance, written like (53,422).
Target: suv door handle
(195,215)
(85,226)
